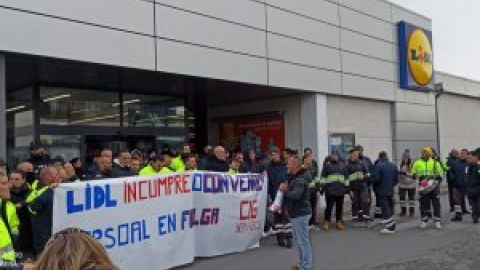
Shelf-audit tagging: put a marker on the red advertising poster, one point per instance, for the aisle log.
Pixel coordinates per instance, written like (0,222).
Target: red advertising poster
(261,134)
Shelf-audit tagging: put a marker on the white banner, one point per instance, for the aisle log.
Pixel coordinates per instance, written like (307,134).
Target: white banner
(162,221)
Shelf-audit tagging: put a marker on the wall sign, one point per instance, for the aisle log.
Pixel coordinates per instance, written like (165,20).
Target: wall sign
(416,57)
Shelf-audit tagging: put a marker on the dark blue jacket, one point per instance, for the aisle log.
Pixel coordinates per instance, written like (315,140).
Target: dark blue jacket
(42,221)
(213,164)
(473,185)
(277,174)
(251,166)
(458,174)
(384,178)
(451,163)
(335,188)
(119,171)
(297,198)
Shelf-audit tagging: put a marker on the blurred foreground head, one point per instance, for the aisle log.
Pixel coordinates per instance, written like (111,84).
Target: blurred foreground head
(74,249)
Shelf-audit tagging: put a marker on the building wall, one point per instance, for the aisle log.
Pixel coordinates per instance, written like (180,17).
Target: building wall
(370,121)
(344,47)
(459,111)
(458,118)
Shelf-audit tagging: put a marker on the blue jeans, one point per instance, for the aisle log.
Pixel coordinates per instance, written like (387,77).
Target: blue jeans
(302,238)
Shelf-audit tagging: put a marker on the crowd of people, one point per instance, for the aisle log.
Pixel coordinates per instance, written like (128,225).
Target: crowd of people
(295,184)
(364,181)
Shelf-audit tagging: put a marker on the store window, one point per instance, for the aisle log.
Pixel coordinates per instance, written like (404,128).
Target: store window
(20,125)
(153,111)
(65,147)
(65,107)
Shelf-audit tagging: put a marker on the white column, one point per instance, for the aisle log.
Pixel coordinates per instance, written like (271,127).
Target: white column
(3,108)
(314,124)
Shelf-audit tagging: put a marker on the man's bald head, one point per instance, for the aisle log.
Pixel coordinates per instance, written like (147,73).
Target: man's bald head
(220,153)
(49,175)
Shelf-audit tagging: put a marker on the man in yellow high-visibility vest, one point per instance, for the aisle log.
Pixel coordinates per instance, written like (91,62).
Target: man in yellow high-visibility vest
(429,173)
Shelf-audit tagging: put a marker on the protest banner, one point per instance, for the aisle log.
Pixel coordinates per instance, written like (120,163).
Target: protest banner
(163,221)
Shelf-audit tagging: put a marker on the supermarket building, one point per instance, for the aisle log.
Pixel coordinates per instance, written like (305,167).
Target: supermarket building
(325,74)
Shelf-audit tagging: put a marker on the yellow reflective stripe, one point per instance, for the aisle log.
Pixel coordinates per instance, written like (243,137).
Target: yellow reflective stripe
(333,178)
(33,196)
(355,176)
(8,253)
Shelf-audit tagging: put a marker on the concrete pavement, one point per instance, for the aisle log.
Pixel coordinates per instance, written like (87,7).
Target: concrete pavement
(454,247)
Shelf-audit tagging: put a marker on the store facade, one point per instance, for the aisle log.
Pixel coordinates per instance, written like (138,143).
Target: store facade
(323,74)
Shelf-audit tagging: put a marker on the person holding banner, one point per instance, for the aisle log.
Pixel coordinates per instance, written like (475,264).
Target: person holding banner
(296,198)
(40,205)
(277,174)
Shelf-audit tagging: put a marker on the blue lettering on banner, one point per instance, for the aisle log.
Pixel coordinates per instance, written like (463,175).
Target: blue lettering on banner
(101,198)
(197,182)
(123,234)
(167,224)
(216,183)
(208,216)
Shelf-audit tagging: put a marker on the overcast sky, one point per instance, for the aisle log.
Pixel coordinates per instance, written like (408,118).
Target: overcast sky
(456,33)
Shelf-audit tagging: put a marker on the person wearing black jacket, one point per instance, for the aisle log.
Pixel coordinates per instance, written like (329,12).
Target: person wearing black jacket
(250,164)
(40,205)
(357,177)
(19,192)
(452,159)
(334,184)
(458,177)
(123,169)
(297,205)
(104,170)
(277,174)
(38,158)
(216,162)
(384,179)
(473,184)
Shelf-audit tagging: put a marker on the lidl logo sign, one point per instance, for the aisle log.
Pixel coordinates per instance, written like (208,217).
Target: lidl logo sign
(416,57)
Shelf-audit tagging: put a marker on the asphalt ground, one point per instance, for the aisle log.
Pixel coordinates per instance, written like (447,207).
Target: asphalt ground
(455,247)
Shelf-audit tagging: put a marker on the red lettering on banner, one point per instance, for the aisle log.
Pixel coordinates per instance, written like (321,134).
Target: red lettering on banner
(140,185)
(248,210)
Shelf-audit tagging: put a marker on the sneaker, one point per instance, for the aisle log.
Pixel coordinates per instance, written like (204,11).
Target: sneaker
(387,231)
(438,225)
(264,234)
(355,219)
(296,267)
(423,225)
